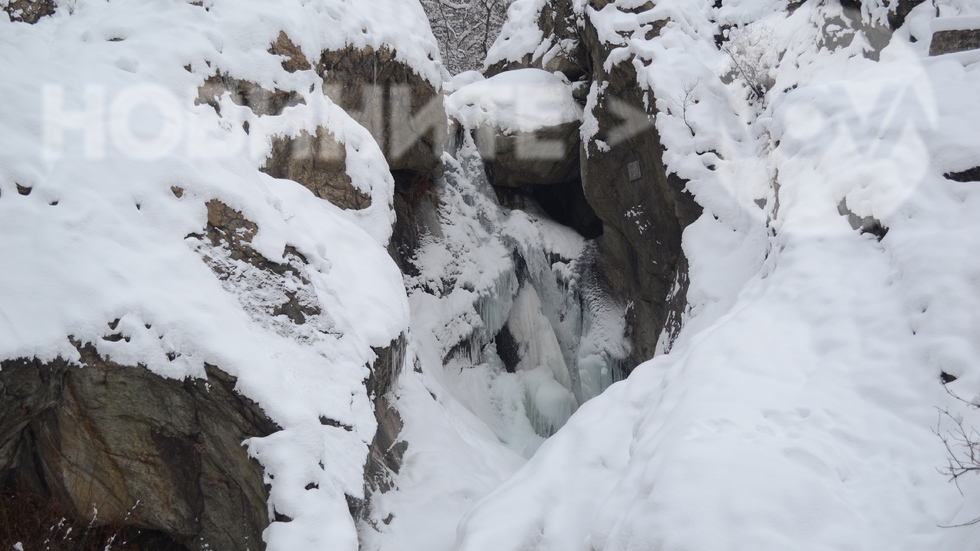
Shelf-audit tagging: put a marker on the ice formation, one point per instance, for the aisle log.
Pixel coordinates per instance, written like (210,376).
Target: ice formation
(494,278)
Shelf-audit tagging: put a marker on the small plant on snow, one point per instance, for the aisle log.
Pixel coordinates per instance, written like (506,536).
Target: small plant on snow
(962,447)
(754,52)
(687,101)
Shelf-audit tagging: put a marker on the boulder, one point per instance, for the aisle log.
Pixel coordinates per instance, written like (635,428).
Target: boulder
(119,445)
(643,209)
(954,40)
(319,163)
(403,111)
(525,122)
(560,50)
(29,11)
(544,156)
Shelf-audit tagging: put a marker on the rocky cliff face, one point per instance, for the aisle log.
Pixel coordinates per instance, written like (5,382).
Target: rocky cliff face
(177,366)
(117,445)
(643,208)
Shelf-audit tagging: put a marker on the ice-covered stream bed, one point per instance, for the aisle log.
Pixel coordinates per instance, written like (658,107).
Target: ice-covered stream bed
(508,300)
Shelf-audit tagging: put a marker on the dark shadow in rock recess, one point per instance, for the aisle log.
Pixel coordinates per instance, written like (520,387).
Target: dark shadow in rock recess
(416,214)
(508,349)
(567,205)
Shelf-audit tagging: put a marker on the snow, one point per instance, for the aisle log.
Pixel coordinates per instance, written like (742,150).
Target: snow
(522,100)
(520,34)
(955,23)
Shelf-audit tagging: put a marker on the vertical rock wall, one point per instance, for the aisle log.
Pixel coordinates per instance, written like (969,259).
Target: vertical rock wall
(643,208)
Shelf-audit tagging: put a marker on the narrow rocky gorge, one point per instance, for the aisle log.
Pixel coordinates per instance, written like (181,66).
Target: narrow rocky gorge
(359,295)
(566,278)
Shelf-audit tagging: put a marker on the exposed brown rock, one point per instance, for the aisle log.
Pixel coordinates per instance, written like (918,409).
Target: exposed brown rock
(29,11)
(401,109)
(249,94)
(157,454)
(319,163)
(260,284)
(295,59)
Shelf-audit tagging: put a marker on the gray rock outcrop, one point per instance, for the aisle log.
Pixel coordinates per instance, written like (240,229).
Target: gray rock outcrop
(520,158)
(403,111)
(952,41)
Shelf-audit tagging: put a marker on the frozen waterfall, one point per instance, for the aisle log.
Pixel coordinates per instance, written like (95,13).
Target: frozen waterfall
(524,333)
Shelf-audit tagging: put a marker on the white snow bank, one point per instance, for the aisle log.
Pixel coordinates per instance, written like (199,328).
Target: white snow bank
(522,100)
(520,34)
(955,23)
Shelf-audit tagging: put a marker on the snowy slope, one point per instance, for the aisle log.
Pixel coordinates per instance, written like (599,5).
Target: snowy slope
(106,165)
(798,406)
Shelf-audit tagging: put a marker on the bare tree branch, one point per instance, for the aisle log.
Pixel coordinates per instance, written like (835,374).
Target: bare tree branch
(465,29)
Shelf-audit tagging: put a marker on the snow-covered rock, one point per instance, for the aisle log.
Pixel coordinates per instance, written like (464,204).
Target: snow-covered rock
(526,124)
(141,233)
(643,206)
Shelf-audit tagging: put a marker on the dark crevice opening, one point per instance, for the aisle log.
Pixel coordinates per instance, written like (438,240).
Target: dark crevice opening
(508,349)
(564,203)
